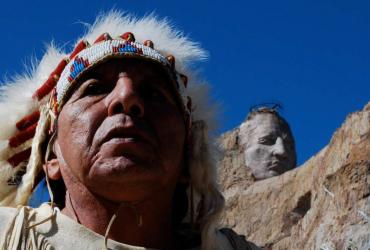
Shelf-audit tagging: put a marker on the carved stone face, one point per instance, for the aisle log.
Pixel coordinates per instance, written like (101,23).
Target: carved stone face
(269,145)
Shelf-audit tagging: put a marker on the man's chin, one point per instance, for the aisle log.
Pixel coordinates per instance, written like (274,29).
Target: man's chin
(124,178)
(132,192)
(273,173)
(119,166)
(266,174)
(124,171)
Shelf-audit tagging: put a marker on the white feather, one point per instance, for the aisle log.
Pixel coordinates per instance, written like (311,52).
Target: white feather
(16,95)
(167,40)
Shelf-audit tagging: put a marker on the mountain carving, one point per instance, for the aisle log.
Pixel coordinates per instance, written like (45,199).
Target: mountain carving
(323,204)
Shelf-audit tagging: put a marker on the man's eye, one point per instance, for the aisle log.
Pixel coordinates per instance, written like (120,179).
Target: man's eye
(154,94)
(267,140)
(96,88)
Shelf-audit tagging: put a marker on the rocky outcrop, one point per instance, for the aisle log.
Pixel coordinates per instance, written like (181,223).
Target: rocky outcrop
(323,204)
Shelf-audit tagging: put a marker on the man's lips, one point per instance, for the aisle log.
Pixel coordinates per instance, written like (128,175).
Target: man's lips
(128,135)
(134,145)
(129,148)
(278,166)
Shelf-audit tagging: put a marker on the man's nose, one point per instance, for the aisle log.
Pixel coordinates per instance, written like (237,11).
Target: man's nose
(125,98)
(279,148)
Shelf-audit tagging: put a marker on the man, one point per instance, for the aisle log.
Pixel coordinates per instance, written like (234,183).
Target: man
(269,143)
(118,123)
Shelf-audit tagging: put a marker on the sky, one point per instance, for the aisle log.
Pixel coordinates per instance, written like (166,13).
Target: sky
(312,56)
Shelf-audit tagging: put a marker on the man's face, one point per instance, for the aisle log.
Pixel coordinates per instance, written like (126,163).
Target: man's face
(269,148)
(121,133)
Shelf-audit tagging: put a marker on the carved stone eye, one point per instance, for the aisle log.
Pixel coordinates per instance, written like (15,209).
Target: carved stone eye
(267,140)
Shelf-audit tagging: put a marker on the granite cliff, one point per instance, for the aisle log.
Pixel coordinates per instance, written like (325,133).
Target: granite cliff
(323,204)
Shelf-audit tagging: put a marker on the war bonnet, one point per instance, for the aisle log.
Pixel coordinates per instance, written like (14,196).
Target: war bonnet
(30,103)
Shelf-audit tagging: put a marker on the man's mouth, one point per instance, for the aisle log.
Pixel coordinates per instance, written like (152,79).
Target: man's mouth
(125,139)
(131,143)
(277,166)
(127,135)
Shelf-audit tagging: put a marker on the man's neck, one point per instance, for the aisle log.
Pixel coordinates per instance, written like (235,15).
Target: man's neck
(146,223)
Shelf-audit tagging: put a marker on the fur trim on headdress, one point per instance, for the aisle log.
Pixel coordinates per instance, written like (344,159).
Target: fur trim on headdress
(16,102)
(166,39)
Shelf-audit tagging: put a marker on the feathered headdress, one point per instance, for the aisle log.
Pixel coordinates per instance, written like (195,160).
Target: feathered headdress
(29,103)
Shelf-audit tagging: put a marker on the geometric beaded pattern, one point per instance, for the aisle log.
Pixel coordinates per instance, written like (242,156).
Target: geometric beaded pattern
(98,52)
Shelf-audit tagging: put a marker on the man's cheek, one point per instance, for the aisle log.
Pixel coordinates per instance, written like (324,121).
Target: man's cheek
(255,153)
(82,130)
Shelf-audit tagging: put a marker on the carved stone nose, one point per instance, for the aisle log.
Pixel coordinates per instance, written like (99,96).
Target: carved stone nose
(279,148)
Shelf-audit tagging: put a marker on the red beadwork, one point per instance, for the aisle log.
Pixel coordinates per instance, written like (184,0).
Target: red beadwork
(102,37)
(45,89)
(128,36)
(50,83)
(22,136)
(28,120)
(149,44)
(59,69)
(85,63)
(19,157)
(79,47)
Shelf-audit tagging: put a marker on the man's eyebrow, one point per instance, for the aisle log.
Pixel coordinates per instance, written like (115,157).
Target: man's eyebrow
(162,83)
(160,78)
(81,82)
(94,73)
(268,134)
(288,136)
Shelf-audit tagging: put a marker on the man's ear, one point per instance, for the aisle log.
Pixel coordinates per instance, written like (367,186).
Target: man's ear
(52,169)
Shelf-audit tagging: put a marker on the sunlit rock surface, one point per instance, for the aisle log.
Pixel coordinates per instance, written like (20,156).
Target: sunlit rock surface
(323,204)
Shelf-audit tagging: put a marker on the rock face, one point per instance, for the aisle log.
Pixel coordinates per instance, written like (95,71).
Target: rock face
(323,204)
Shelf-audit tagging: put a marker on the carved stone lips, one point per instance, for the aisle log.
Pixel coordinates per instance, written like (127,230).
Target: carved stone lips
(277,166)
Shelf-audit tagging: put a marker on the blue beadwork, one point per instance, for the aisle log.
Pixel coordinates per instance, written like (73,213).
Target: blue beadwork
(128,48)
(78,67)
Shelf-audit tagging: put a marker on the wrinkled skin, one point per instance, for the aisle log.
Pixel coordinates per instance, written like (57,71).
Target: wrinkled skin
(269,146)
(121,134)
(120,151)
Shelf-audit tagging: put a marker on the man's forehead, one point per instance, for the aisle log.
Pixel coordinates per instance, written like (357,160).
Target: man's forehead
(265,123)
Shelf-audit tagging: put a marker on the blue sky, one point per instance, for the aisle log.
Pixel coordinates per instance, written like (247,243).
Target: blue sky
(311,56)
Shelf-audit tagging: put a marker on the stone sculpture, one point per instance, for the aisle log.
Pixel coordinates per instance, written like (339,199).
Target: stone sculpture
(269,146)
